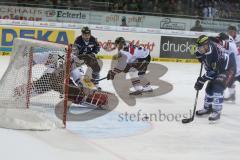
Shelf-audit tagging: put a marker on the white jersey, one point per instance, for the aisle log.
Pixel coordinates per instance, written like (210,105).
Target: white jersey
(234,49)
(48,59)
(130,54)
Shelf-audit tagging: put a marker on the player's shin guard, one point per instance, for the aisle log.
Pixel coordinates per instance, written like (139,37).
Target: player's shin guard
(216,106)
(137,86)
(207,109)
(146,86)
(95,76)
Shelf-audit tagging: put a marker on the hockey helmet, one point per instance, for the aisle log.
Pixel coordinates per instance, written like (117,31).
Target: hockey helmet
(86,30)
(223,36)
(201,40)
(120,40)
(232,28)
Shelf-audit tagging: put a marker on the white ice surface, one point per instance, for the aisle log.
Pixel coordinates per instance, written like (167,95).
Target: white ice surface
(198,140)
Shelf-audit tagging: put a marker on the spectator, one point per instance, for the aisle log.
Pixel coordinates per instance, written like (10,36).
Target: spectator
(133,6)
(116,6)
(125,7)
(124,21)
(198,27)
(148,7)
(179,7)
(172,7)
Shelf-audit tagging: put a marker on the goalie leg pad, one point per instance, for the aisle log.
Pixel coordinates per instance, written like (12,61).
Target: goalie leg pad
(98,99)
(79,96)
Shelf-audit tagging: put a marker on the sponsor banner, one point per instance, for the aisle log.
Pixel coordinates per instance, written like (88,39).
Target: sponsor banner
(4,53)
(176,47)
(106,40)
(109,19)
(169,23)
(7,34)
(109,57)
(43,14)
(71,16)
(165,45)
(24,13)
(217,26)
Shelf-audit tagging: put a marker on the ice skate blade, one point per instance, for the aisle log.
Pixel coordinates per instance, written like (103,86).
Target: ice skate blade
(214,122)
(230,102)
(147,92)
(202,116)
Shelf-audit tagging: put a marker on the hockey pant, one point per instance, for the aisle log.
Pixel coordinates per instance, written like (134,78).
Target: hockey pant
(213,96)
(214,91)
(91,61)
(137,71)
(230,74)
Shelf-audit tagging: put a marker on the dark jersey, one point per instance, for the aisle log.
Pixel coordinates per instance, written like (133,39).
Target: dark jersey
(87,47)
(216,61)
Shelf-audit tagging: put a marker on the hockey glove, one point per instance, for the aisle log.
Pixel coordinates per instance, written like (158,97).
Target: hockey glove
(200,83)
(110,75)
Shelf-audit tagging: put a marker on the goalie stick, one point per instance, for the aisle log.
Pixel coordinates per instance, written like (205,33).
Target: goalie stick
(188,120)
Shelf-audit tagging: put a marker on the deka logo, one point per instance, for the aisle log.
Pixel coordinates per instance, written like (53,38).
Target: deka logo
(57,36)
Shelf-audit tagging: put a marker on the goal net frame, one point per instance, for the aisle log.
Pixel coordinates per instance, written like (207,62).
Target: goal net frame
(31,43)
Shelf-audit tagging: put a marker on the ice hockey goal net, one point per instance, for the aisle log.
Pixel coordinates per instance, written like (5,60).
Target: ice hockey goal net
(34,82)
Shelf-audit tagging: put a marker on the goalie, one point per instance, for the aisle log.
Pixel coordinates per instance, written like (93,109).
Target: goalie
(81,89)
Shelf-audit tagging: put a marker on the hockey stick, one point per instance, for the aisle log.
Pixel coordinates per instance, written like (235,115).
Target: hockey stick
(188,120)
(97,80)
(89,83)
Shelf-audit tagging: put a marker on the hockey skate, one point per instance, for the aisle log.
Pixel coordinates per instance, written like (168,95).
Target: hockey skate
(135,93)
(203,111)
(147,89)
(214,116)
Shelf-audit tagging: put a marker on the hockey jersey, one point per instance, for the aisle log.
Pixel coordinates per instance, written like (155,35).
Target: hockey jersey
(129,54)
(216,61)
(85,47)
(234,49)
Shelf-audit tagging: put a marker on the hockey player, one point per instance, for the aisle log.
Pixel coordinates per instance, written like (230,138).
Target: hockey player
(81,89)
(220,70)
(132,59)
(232,39)
(87,48)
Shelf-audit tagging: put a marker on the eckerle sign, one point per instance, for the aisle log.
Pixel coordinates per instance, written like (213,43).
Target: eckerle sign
(68,14)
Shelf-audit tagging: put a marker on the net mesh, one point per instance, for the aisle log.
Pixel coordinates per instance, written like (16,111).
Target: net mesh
(32,85)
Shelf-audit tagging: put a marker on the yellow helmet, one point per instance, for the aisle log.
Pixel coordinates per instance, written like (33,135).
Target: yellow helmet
(203,39)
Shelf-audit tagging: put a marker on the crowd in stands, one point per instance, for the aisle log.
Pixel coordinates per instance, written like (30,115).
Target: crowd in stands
(198,8)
